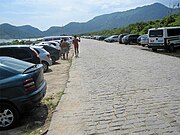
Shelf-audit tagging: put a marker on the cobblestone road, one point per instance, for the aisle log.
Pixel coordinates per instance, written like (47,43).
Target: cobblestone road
(117,89)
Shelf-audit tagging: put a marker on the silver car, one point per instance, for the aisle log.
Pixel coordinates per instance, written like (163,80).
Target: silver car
(113,38)
(44,56)
(144,40)
(50,43)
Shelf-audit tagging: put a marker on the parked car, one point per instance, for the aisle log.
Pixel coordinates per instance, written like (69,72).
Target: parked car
(113,38)
(50,43)
(130,39)
(138,40)
(44,56)
(123,39)
(101,38)
(58,38)
(55,54)
(120,38)
(143,40)
(22,86)
(167,38)
(22,52)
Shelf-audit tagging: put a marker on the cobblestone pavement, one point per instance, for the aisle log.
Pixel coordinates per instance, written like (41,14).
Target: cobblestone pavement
(116,90)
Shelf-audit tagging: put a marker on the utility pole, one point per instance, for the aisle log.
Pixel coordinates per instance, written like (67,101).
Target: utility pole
(62,30)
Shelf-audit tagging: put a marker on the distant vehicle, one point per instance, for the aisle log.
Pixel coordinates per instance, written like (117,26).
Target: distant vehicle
(71,39)
(164,38)
(87,37)
(120,38)
(130,39)
(113,38)
(123,39)
(44,56)
(95,37)
(58,38)
(22,86)
(143,40)
(55,54)
(22,52)
(50,43)
(101,38)
(51,38)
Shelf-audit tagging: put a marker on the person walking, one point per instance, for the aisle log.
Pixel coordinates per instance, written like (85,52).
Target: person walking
(76,45)
(64,49)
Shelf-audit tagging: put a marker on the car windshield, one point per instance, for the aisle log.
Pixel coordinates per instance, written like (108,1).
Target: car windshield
(15,64)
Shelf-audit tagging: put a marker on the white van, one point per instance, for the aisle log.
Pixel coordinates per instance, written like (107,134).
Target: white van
(52,38)
(58,38)
(164,38)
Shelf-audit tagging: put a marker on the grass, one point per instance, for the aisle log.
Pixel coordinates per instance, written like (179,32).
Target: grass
(52,100)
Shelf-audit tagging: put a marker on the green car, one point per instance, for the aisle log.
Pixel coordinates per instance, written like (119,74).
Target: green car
(22,87)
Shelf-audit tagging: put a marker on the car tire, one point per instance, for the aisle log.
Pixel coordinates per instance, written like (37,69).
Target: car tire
(171,48)
(45,66)
(154,50)
(9,116)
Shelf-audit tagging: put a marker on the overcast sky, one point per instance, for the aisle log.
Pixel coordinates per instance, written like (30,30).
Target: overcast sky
(43,14)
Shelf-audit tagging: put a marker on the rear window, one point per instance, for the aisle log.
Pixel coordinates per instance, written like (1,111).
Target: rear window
(56,38)
(47,39)
(15,64)
(48,48)
(36,50)
(6,52)
(53,44)
(156,33)
(21,53)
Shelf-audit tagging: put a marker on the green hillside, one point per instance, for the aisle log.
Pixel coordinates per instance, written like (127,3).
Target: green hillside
(141,27)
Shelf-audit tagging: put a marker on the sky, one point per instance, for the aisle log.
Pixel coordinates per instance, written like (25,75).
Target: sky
(43,14)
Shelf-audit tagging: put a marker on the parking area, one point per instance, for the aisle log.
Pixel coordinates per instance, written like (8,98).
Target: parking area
(119,89)
(110,89)
(38,120)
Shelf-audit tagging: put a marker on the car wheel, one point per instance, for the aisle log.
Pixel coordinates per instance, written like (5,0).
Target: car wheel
(45,66)
(171,48)
(154,50)
(8,116)
(53,59)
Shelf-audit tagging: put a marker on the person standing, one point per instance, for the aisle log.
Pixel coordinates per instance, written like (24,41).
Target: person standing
(76,45)
(65,49)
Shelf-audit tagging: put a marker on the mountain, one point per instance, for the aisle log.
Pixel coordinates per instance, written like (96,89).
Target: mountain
(8,31)
(120,19)
(102,22)
(30,30)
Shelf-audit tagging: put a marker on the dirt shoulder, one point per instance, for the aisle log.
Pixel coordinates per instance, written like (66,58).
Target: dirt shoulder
(38,120)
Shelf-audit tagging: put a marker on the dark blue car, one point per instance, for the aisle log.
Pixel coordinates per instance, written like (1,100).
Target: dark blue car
(22,86)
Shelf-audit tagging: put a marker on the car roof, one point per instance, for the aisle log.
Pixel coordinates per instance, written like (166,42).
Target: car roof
(18,46)
(40,49)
